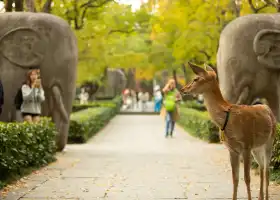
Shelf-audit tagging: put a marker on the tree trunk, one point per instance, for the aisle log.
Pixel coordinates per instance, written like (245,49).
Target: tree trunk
(175,77)
(18,5)
(278,5)
(236,6)
(30,5)
(47,7)
(131,79)
(9,5)
(185,73)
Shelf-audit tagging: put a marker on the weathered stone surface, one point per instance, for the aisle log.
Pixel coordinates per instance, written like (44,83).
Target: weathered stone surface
(130,159)
(248,60)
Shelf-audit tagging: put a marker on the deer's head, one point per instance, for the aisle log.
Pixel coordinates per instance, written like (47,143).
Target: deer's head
(202,82)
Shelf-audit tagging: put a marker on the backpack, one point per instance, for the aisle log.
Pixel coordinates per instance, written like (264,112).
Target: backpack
(18,99)
(170,101)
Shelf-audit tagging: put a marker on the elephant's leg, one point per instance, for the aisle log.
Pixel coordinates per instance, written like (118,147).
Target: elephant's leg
(11,78)
(273,102)
(60,117)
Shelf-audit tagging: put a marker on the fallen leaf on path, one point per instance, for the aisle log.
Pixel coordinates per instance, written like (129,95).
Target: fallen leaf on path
(85,189)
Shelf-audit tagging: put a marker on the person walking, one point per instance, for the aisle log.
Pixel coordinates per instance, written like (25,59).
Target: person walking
(146,98)
(83,96)
(32,95)
(171,97)
(158,98)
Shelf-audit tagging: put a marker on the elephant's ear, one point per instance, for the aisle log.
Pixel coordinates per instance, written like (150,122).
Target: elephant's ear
(23,46)
(267,47)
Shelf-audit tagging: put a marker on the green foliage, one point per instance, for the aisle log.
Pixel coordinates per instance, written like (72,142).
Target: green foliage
(189,30)
(199,124)
(276,150)
(25,145)
(115,103)
(78,107)
(91,118)
(84,124)
(108,33)
(194,105)
(275,176)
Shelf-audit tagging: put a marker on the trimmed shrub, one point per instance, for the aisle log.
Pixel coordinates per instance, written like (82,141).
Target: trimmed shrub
(93,117)
(25,145)
(199,124)
(276,150)
(84,124)
(194,105)
(102,103)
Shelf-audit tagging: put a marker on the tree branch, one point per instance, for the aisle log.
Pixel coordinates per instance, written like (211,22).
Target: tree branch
(30,5)
(47,6)
(276,4)
(256,10)
(77,13)
(88,37)
(89,4)
(205,53)
(79,19)
(121,31)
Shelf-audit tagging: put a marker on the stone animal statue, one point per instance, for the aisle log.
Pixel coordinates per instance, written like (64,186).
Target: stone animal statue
(248,60)
(45,41)
(114,83)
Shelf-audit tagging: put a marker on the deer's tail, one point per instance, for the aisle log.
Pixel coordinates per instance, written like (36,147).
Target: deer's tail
(273,122)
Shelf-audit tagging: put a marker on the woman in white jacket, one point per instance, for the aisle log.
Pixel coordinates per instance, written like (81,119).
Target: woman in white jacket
(33,96)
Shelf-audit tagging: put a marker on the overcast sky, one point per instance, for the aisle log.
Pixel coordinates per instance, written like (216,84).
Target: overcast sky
(135,3)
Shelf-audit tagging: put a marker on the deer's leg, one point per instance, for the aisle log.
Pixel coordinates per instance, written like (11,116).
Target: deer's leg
(267,159)
(259,157)
(235,163)
(247,167)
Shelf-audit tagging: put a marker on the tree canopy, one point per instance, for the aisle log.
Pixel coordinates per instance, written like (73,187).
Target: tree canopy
(162,34)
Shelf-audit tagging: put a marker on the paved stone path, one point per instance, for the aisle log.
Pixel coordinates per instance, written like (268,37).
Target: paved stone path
(131,159)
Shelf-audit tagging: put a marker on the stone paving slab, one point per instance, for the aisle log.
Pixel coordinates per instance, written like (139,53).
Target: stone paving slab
(130,159)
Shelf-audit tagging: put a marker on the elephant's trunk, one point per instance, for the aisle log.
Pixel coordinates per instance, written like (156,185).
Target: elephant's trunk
(17,75)
(61,118)
(243,97)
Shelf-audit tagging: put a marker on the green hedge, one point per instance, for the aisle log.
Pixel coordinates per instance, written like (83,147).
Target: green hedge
(194,104)
(102,103)
(84,124)
(199,124)
(276,150)
(87,122)
(25,145)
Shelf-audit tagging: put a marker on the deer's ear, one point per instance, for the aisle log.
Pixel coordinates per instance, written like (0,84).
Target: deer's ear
(208,68)
(197,70)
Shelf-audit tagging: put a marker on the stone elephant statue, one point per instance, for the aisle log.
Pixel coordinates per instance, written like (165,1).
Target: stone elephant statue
(41,40)
(115,83)
(248,60)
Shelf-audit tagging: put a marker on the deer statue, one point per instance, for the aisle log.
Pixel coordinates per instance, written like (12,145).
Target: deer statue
(243,129)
